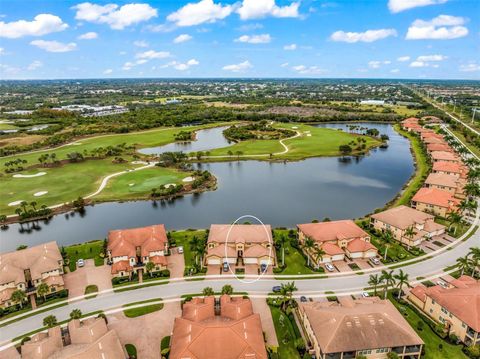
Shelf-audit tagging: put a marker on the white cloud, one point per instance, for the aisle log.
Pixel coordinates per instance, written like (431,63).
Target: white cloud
(285,64)
(182,38)
(243,66)
(54,46)
(387,62)
(107,71)
(42,24)
(250,27)
(403,58)
(256,9)
(374,64)
(395,71)
(204,11)
(88,36)
(182,66)
(443,27)
(111,14)
(426,61)
(367,36)
(471,67)
(2,51)
(34,65)
(402,5)
(127,66)
(308,70)
(140,43)
(290,47)
(151,54)
(255,39)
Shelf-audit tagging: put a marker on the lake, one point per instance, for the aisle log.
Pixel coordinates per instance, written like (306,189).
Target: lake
(278,193)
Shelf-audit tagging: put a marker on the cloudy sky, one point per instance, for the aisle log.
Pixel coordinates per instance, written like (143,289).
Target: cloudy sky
(244,38)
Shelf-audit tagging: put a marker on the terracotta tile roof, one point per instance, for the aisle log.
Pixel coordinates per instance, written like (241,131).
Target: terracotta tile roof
(219,251)
(431,119)
(411,120)
(219,337)
(412,125)
(454,167)
(257,251)
(43,345)
(420,292)
(39,259)
(161,260)
(438,147)
(402,217)
(240,233)
(360,245)
(54,280)
(444,156)
(331,249)
(86,331)
(235,308)
(332,231)
(6,294)
(436,197)
(430,134)
(446,180)
(199,309)
(124,242)
(360,325)
(434,140)
(121,266)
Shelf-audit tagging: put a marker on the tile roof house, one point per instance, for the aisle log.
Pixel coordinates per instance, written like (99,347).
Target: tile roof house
(130,249)
(26,269)
(371,327)
(446,182)
(435,201)
(430,140)
(444,156)
(234,334)
(438,147)
(337,239)
(457,307)
(87,339)
(458,169)
(240,244)
(430,134)
(397,220)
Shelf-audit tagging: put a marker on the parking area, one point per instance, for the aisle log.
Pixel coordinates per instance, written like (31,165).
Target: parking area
(437,242)
(77,281)
(176,264)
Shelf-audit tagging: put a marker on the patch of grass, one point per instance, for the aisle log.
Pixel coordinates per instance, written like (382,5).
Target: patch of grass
(154,282)
(90,289)
(461,228)
(183,239)
(286,334)
(137,312)
(142,302)
(294,260)
(131,351)
(165,343)
(89,250)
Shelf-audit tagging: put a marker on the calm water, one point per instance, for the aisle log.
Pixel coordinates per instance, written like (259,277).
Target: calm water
(280,194)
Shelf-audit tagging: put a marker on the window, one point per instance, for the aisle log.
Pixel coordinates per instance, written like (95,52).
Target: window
(444,310)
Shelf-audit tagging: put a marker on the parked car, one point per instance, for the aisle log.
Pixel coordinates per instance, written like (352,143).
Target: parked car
(375,261)
(180,249)
(263,267)
(330,267)
(365,295)
(226,267)
(303,299)
(276,289)
(80,263)
(442,284)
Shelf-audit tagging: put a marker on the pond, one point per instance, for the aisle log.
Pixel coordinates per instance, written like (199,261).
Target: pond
(280,194)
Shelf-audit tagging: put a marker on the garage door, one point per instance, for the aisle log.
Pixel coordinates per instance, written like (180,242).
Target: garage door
(250,260)
(213,261)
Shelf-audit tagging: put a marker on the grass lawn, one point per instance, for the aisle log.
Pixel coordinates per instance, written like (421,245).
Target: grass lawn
(7,126)
(286,334)
(296,263)
(86,250)
(431,339)
(462,138)
(461,227)
(322,142)
(183,238)
(90,289)
(131,350)
(137,312)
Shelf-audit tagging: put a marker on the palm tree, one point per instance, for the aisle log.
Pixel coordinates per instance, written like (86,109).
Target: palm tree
(201,249)
(308,245)
(76,314)
(149,266)
(24,204)
(402,279)
(282,240)
(19,297)
(319,253)
(50,321)
(454,218)
(208,291)
(463,263)
(43,290)
(388,279)
(34,205)
(409,233)
(387,236)
(374,281)
(475,254)
(286,291)
(227,289)
(472,189)
(194,244)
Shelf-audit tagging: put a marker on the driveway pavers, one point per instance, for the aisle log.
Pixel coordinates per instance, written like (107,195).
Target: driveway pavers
(77,281)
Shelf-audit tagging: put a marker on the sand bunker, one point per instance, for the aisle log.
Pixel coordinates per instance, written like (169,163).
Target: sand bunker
(188,179)
(18,175)
(16,203)
(169,185)
(139,163)
(41,193)
(294,127)
(131,184)
(309,135)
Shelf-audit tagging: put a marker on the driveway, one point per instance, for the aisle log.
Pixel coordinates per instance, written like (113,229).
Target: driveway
(77,281)
(146,331)
(176,264)
(260,306)
(10,353)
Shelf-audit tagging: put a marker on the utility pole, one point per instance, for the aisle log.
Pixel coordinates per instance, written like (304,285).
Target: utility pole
(454,105)
(473,114)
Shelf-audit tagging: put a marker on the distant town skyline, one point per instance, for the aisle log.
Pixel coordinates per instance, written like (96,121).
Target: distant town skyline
(414,39)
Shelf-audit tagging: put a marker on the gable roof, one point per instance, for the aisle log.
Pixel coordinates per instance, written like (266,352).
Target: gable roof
(402,217)
(332,231)
(240,233)
(123,242)
(436,197)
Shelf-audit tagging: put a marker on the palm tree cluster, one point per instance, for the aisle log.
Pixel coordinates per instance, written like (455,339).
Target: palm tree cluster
(48,158)
(312,249)
(470,263)
(24,212)
(389,280)
(286,294)
(198,248)
(16,165)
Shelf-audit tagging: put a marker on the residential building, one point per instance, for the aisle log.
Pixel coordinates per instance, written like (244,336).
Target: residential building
(435,201)
(430,140)
(204,332)
(457,307)
(431,147)
(444,156)
(371,327)
(399,220)
(240,245)
(129,250)
(450,168)
(453,184)
(337,239)
(26,269)
(430,134)
(87,339)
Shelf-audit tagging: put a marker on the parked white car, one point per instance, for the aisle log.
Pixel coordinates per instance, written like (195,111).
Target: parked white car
(375,261)
(180,249)
(330,267)
(80,263)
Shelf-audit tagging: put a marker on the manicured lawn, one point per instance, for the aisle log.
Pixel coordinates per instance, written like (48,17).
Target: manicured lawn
(286,334)
(131,350)
(296,263)
(461,227)
(183,238)
(86,250)
(137,312)
(431,339)
(92,288)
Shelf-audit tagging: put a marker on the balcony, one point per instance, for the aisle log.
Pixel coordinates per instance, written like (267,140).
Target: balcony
(412,349)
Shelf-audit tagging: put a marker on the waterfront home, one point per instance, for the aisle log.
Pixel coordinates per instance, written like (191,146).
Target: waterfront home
(26,269)
(369,327)
(411,126)
(201,334)
(129,250)
(447,182)
(431,119)
(444,156)
(438,147)
(240,245)
(430,134)
(86,339)
(456,306)
(430,140)
(435,201)
(450,168)
(407,225)
(337,239)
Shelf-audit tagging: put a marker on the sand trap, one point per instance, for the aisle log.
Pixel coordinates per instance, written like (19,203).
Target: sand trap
(41,193)
(131,184)
(74,143)
(294,127)
(139,163)
(18,175)
(16,203)
(169,185)
(309,135)
(188,179)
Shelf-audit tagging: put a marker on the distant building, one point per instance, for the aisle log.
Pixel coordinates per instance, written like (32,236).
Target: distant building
(457,307)
(370,327)
(200,333)
(372,102)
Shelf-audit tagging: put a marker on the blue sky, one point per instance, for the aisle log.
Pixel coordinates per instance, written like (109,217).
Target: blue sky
(246,38)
